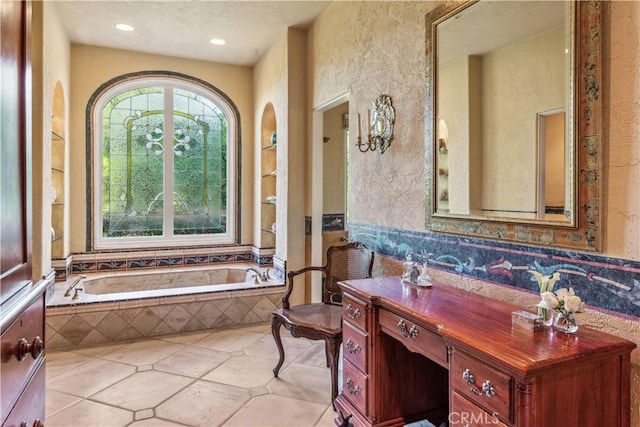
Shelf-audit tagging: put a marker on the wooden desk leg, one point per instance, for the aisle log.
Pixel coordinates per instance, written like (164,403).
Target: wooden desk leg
(341,420)
(275,331)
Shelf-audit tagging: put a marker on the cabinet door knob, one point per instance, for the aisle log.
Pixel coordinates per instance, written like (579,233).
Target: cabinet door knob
(34,348)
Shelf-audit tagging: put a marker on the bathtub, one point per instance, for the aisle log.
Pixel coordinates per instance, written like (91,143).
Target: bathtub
(171,282)
(127,305)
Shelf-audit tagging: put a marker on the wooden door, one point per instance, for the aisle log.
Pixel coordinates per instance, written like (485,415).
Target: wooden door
(15,152)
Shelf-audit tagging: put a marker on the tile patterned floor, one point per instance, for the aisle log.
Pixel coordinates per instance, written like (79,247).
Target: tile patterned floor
(212,378)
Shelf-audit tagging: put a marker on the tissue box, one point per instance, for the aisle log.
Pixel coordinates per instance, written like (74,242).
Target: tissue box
(524,319)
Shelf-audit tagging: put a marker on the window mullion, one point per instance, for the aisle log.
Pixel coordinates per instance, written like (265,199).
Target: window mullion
(168,163)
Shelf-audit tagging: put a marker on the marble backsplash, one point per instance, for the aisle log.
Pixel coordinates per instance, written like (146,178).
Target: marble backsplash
(610,284)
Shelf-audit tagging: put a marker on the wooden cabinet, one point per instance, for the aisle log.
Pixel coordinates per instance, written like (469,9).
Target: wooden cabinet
(22,360)
(447,355)
(21,301)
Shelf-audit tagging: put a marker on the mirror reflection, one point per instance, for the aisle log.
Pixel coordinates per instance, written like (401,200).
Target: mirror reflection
(504,112)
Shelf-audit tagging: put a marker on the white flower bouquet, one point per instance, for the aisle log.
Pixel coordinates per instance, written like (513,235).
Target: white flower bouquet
(565,303)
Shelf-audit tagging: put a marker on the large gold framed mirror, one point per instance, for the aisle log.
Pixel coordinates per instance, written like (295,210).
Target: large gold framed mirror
(513,107)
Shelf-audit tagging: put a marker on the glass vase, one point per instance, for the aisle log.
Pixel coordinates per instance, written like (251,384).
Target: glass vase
(546,315)
(565,323)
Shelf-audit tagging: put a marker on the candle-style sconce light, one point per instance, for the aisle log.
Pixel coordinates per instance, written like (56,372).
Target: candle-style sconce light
(380,119)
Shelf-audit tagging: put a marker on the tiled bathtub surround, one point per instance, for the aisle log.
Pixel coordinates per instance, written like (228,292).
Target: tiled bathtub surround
(99,318)
(608,283)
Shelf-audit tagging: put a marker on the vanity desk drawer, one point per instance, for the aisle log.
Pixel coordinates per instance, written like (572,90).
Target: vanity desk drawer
(354,346)
(414,337)
(465,413)
(355,386)
(354,312)
(483,385)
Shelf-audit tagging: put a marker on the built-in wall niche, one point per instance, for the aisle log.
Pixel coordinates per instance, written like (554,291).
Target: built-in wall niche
(268,178)
(57,187)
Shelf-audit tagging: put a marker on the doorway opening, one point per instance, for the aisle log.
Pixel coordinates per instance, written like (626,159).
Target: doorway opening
(551,191)
(330,183)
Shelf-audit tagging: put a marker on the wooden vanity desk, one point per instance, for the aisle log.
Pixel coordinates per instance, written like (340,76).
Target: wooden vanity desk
(445,354)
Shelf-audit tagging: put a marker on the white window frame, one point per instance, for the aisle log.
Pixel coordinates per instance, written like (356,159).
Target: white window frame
(168,238)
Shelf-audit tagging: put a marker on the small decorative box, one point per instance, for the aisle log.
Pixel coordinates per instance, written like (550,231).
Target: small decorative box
(526,320)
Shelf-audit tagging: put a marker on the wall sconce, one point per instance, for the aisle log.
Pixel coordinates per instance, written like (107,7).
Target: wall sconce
(380,121)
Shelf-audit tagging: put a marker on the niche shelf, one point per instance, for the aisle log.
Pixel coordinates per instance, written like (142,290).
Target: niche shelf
(57,195)
(442,195)
(269,177)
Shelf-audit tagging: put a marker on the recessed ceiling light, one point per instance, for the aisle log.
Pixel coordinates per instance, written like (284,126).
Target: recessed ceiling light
(124,27)
(217,42)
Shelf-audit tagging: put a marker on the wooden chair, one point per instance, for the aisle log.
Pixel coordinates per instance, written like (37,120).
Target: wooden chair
(323,321)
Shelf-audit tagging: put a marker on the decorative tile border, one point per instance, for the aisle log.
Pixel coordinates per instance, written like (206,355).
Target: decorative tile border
(136,260)
(333,222)
(262,256)
(608,283)
(330,222)
(62,268)
(279,269)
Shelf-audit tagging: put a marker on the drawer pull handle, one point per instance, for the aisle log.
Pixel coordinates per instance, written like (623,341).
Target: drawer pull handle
(487,388)
(411,333)
(24,348)
(353,314)
(352,387)
(352,347)
(36,423)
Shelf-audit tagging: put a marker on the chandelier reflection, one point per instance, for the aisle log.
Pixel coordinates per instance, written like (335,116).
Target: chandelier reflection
(379,124)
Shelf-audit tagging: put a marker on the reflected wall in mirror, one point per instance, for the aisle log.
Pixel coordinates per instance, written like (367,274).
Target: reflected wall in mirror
(513,139)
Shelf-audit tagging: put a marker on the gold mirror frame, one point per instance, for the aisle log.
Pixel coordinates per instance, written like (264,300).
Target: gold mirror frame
(586,231)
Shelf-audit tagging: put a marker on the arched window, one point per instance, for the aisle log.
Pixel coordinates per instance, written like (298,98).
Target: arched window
(164,152)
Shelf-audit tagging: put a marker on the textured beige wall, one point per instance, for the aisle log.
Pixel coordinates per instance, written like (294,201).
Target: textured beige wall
(279,78)
(92,66)
(296,147)
(622,131)
(50,62)
(270,86)
(367,49)
(333,161)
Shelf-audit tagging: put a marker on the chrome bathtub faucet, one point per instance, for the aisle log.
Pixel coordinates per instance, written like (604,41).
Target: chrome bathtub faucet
(260,276)
(73,285)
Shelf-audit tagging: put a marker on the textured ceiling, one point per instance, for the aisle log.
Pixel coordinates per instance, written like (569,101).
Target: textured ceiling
(184,28)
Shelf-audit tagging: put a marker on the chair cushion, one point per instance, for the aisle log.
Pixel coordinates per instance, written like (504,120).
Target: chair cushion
(323,317)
